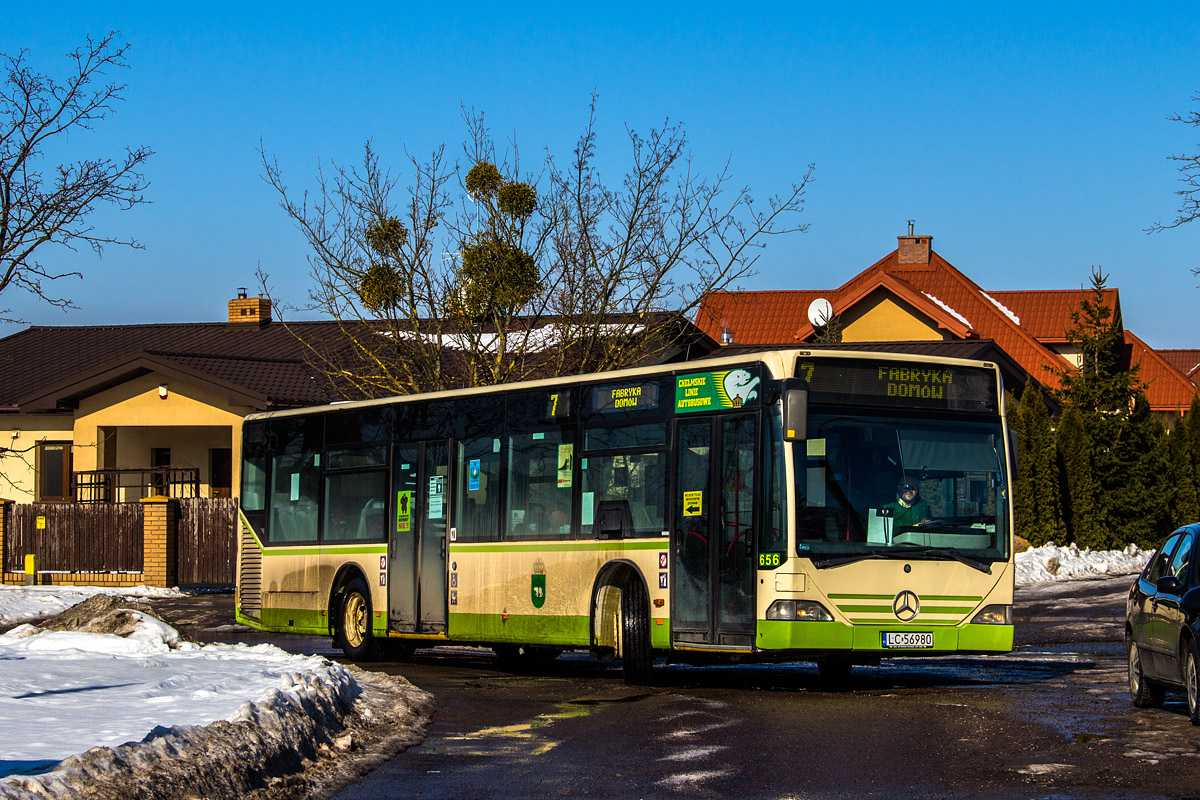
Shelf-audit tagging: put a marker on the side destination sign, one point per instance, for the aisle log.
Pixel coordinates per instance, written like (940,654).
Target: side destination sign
(714,391)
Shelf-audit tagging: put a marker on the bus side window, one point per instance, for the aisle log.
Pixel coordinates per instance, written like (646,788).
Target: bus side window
(478,500)
(541,469)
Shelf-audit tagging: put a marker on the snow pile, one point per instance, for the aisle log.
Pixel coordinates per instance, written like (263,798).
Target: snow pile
(172,718)
(20,603)
(1052,563)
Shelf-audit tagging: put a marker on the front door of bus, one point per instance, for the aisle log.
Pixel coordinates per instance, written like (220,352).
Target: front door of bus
(712,543)
(417,545)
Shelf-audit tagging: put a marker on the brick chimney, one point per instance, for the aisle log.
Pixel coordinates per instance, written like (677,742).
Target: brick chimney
(243,309)
(914,250)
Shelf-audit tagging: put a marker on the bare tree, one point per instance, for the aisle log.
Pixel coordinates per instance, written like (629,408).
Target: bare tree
(44,204)
(478,274)
(1189,176)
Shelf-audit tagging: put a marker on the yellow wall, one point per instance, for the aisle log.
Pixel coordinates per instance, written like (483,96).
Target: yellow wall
(18,467)
(190,421)
(884,318)
(118,427)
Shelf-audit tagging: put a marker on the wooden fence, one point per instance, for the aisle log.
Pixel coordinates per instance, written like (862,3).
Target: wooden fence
(206,546)
(109,539)
(67,537)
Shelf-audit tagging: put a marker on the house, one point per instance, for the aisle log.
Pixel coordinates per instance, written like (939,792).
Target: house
(119,412)
(914,295)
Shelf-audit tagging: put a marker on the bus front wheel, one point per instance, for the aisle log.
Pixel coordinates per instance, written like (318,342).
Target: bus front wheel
(636,655)
(353,633)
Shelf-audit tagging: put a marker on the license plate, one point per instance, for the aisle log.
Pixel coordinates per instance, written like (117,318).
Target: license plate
(907,640)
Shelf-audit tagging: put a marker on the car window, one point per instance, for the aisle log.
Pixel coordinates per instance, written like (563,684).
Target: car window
(1162,559)
(1181,561)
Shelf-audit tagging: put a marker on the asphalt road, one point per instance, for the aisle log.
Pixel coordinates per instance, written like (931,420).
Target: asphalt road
(1051,720)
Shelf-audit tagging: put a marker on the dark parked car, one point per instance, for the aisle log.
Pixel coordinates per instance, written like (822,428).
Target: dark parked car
(1162,623)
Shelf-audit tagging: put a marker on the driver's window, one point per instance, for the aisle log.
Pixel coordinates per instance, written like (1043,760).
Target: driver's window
(1162,559)
(1183,558)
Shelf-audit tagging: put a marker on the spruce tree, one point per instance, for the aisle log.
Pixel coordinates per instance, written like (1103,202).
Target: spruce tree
(1182,500)
(1078,489)
(1024,491)
(1192,422)
(1036,495)
(1134,463)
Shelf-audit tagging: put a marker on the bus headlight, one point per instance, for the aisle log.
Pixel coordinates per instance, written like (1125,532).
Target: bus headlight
(994,615)
(799,611)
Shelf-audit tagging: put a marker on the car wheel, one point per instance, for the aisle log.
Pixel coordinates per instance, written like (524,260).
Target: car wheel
(1145,693)
(1191,681)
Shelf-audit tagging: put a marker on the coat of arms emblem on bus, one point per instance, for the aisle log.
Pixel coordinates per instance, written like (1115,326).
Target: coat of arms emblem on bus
(537,584)
(740,386)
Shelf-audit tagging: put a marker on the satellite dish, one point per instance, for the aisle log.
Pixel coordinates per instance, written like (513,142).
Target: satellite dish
(820,312)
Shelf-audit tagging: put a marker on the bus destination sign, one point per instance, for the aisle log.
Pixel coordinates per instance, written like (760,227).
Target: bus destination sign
(900,384)
(625,397)
(714,391)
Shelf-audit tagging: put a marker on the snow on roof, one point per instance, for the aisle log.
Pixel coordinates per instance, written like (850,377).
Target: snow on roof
(1003,308)
(949,310)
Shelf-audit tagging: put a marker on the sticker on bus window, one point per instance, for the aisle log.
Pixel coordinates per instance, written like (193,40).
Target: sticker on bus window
(565,454)
(295,488)
(815,447)
(436,488)
(589,507)
(403,512)
(693,504)
(473,475)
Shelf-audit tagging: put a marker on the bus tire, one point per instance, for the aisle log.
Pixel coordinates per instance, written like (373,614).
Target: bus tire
(353,632)
(636,655)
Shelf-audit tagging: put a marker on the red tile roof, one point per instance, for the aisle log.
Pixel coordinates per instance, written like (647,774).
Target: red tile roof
(1046,314)
(1022,323)
(1167,388)
(1186,361)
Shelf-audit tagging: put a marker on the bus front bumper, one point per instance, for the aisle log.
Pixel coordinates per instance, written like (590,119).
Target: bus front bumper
(780,635)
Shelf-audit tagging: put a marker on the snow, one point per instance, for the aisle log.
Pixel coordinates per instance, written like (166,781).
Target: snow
(33,602)
(90,705)
(81,709)
(1003,308)
(1052,563)
(948,310)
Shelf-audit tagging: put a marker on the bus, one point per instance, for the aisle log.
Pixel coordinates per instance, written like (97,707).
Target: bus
(795,505)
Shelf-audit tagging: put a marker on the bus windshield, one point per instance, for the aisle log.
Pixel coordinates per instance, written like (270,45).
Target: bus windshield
(876,486)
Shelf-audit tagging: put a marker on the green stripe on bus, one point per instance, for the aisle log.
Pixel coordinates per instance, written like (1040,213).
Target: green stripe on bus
(856,609)
(918,622)
(586,546)
(379,549)
(889,597)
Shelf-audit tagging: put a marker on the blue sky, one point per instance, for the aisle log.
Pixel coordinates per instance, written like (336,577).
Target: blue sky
(1030,142)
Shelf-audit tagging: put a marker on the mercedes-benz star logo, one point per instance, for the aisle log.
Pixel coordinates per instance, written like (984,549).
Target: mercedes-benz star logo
(906,605)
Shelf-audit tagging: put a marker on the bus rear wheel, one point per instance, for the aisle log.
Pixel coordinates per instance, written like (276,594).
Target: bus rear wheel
(636,655)
(353,632)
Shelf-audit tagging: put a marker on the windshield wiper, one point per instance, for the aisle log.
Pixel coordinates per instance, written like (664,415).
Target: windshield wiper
(944,553)
(904,551)
(849,558)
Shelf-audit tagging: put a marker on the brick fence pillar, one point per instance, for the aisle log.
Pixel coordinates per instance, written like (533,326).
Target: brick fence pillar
(159,534)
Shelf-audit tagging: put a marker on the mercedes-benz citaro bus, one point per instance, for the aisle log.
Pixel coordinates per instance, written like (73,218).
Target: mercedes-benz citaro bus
(831,506)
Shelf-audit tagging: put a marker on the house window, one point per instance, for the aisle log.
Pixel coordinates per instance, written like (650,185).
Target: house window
(54,471)
(160,459)
(220,475)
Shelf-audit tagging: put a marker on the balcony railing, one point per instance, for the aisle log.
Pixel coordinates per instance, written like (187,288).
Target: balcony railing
(127,485)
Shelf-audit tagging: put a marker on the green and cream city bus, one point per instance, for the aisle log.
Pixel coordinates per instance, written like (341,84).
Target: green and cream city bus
(740,508)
